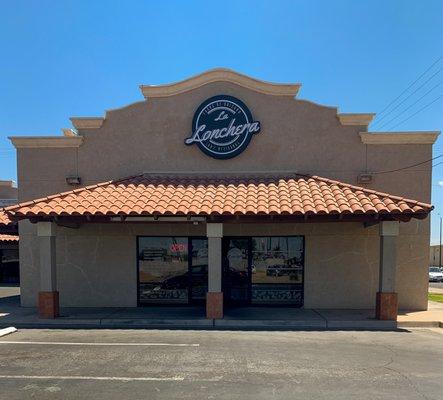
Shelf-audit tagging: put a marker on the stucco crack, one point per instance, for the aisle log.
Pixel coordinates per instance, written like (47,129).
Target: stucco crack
(80,269)
(93,262)
(341,255)
(372,271)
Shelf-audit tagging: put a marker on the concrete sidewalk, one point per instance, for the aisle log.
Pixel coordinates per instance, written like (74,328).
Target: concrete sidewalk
(254,318)
(433,317)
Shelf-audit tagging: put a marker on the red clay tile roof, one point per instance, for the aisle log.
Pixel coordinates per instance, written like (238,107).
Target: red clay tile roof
(8,238)
(4,218)
(179,195)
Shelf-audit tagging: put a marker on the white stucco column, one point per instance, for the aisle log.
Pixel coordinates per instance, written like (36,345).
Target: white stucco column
(48,297)
(214,297)
(387,303)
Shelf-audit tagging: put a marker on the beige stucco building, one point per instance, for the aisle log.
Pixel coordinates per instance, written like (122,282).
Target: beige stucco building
(434,258)
(224,204)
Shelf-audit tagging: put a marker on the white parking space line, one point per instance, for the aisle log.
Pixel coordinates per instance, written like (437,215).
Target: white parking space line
(94,378)
(7,331)
(99,344)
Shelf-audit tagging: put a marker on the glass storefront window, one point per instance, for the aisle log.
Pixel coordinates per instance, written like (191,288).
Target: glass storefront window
(277,270)
(256,270)
(163,269)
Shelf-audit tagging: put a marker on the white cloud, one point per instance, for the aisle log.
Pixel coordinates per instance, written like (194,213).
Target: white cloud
(440,183)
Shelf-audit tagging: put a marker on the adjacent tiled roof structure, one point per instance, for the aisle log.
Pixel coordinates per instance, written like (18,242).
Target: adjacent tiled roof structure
(4,218)
(180,195)
(8,238)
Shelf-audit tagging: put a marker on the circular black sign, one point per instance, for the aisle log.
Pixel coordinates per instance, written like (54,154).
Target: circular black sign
(222,127)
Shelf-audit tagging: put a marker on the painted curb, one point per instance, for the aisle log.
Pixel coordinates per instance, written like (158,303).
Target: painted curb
(208,324)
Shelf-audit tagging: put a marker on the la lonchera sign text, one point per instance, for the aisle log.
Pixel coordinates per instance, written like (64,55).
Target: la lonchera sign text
(222,127)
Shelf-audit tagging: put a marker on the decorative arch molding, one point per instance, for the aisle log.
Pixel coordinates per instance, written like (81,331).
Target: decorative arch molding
(220,75)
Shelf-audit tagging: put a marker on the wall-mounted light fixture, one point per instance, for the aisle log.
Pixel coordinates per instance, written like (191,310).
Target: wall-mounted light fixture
(365,178)
(73,180)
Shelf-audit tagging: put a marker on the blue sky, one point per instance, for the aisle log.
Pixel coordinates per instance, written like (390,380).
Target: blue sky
(64,58)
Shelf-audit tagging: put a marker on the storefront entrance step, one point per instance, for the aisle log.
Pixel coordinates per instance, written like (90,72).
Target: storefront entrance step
(158,322)
(374,324)
(273,314)
(268,324)
(56,323)
(304,324)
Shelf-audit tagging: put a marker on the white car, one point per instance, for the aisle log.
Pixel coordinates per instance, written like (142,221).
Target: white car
(435,274)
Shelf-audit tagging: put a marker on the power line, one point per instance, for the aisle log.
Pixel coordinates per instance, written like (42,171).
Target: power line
(408,97)
(412,84)
(409,107)
(409,166)
(418,111)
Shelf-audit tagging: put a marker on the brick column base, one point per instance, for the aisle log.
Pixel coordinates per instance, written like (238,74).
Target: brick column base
(214,305)
(48,305)
(386,306)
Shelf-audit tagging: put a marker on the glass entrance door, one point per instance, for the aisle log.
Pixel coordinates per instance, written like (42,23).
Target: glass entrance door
(263,270)
(172,270)
(198,270)
(277,270)
(163,270)
(236,271)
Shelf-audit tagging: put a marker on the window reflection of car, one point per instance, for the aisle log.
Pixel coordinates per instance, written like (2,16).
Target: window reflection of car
(175,282)
(238,276)
(282,270)
(174,288)
(274,270)
(199,278)
(295,261)
(199,275)
(235,254)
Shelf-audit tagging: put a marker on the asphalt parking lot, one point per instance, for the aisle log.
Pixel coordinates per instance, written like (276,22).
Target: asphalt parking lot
(135,364)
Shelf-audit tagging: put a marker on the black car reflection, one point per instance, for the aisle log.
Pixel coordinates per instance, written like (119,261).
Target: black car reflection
(236,276)
(198,277)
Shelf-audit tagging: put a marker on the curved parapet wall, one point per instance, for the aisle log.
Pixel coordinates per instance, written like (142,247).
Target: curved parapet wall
(219,75)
